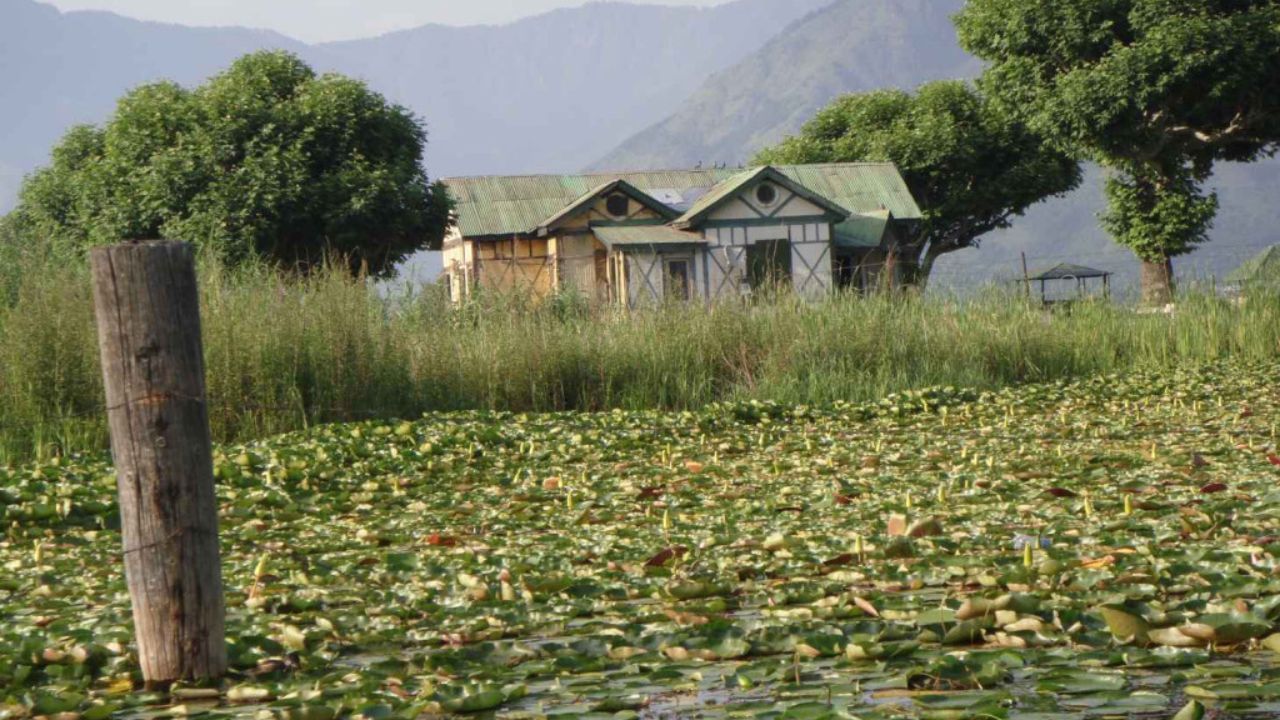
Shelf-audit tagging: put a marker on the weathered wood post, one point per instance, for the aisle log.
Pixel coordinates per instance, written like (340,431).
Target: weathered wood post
(148,321)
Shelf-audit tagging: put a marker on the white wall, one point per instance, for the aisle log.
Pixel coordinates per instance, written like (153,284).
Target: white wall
(811,257)
(646,283)
(644,279)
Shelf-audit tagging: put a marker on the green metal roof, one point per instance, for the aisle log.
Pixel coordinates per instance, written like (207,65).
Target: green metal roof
(744,181)
(864,231)
(630,235)
(861,188)
(1262,268)
(509,205)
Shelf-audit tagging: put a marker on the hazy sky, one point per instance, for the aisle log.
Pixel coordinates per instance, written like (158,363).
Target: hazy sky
(317,20)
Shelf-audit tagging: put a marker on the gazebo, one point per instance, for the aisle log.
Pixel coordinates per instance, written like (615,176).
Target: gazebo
(1066,272)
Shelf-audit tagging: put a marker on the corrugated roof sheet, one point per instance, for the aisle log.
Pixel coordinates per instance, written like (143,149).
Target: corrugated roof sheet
(613,236)
(507,205)
(859,187)
(863,231)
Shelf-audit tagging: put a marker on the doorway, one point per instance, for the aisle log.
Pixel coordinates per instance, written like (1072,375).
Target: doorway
(676,279)
(769,265)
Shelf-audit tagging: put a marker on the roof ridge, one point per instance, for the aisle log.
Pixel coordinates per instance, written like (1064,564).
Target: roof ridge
(619,173)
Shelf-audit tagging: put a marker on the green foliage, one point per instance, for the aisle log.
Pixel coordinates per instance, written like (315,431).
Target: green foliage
(1155,220)
(1155,90)
(288,353)
(266,160)
(970,166)
(1094,549)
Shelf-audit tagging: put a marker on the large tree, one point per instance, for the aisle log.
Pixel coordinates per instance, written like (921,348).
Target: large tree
(971,167)
(267,160)
(1156,91)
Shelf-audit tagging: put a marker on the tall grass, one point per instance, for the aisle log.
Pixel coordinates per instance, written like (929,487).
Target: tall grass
(283,353)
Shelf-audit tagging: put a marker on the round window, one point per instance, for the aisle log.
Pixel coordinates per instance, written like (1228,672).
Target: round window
(618,205)
(767,194)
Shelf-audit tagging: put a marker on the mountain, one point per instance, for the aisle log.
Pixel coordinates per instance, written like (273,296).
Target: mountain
(553,92)
(852,45)
(67,68)
(860,45)
(542,94)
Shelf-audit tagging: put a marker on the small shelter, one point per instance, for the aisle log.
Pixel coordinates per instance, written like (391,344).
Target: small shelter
(1069,273)
(1262,269)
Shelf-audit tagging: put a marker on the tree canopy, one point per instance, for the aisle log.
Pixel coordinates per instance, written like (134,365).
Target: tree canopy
(267,160)
(971,167)
(1157,91)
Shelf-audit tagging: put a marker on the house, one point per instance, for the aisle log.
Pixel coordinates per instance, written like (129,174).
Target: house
(649,237)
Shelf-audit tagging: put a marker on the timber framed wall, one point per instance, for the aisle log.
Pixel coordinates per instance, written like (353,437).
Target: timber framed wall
(742,223)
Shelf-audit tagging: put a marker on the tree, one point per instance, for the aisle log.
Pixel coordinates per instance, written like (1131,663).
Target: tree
(1156,91)
(267,160)
(971,168)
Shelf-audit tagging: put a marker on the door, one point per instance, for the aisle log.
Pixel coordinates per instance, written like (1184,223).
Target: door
(677,279)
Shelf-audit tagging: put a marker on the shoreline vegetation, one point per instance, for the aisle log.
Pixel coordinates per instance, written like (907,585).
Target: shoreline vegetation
(286,353)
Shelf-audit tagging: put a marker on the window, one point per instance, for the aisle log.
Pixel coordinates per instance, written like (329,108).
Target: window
(618,205)
(676,283)
(767,194)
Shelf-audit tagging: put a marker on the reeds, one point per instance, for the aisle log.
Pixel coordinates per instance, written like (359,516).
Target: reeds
(285,353)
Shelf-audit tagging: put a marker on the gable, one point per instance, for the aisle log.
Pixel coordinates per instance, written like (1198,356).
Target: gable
(600,213)
(746,206)
(759,194)
(616,201)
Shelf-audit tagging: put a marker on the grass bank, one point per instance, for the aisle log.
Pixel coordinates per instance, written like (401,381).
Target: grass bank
(286,354)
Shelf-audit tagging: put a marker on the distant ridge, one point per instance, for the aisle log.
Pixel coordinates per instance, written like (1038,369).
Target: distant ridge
(851,45)
(549,92)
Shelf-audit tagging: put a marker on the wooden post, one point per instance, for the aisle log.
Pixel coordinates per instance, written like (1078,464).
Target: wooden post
(153,368)
(1026,276)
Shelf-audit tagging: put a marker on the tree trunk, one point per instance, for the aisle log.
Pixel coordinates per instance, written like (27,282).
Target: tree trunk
(1157,282)
(927,265)
(153,368)
(918,262)
(910,260)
